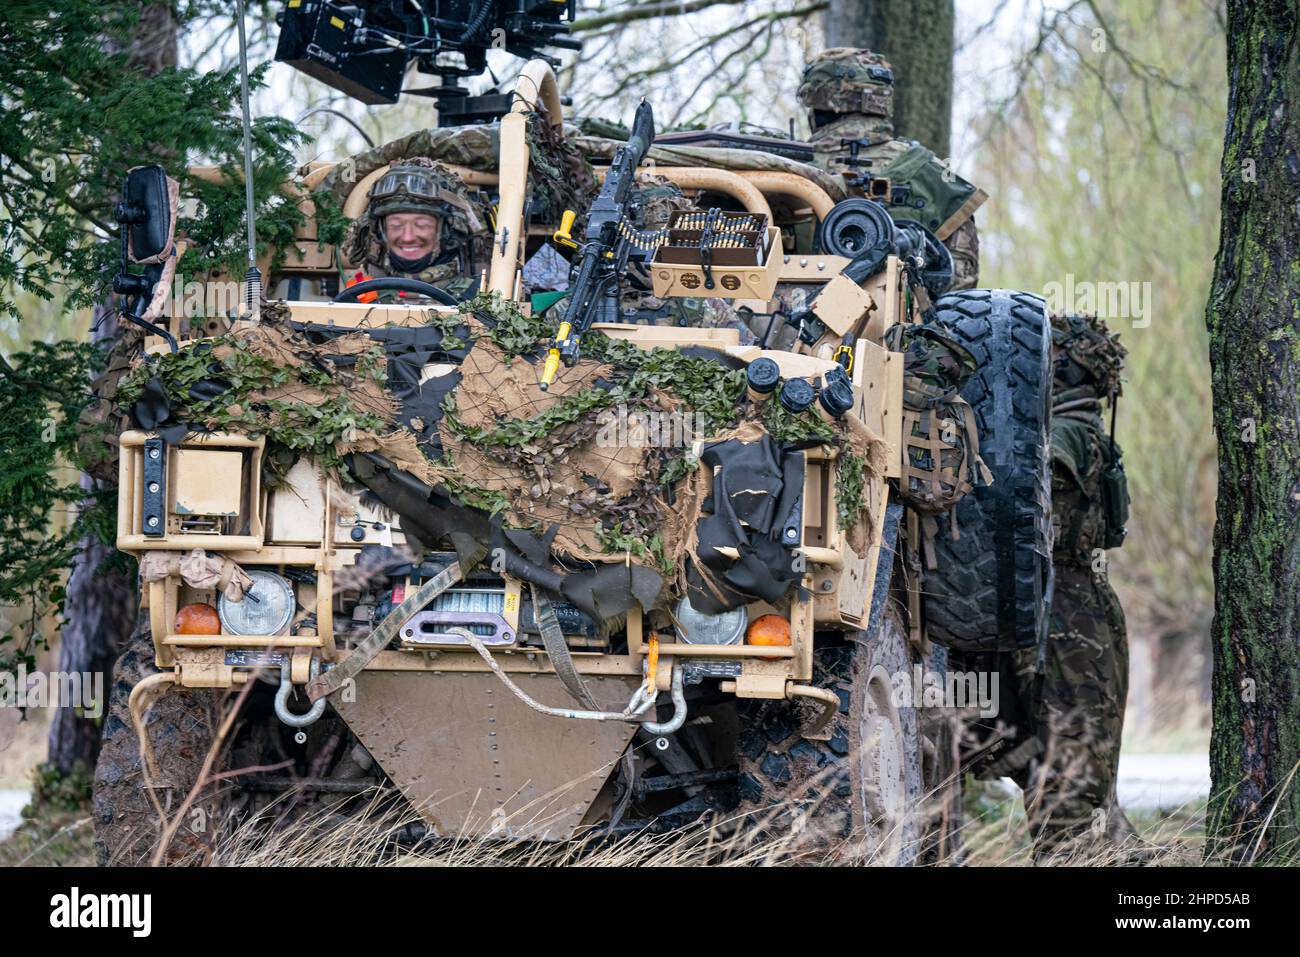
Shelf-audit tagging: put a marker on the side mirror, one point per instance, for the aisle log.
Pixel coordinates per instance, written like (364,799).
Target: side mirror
(145,213)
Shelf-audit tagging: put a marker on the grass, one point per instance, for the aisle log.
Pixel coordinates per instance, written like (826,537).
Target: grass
(994,834)
(375,838)
(51,838)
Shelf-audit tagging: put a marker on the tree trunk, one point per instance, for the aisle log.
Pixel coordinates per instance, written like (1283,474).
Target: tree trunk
(916,37)
(1255,360)
(101,603)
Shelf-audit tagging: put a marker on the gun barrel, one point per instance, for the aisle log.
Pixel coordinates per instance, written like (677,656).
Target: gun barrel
(643,132)
(602,254)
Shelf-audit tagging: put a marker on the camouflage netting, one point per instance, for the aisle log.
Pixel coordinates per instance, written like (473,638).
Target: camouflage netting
(1087,354)
(589,484)
(561,177)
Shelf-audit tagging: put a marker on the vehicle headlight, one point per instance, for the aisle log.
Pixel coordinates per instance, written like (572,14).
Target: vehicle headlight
(267,608)
(697,628)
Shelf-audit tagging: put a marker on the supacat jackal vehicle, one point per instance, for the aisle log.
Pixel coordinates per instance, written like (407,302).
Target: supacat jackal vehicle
(541,570)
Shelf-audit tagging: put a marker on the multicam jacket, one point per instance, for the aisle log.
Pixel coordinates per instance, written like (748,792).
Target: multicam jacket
(1079,457)
(933,194)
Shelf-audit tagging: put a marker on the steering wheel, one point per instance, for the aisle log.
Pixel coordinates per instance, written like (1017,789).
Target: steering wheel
(399,283)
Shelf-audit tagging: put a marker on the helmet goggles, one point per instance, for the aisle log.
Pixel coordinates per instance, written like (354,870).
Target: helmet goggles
(413,182)
(421,189)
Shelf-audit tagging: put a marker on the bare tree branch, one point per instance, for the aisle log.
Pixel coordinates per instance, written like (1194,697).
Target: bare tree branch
(647,11)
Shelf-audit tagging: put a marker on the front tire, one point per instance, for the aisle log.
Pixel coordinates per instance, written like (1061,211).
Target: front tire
(181,725)
(854,796)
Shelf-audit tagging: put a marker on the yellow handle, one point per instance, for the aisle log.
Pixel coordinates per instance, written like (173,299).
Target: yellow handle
(550,369)
(564,235)
(652,664)
(552,365)
(843,350)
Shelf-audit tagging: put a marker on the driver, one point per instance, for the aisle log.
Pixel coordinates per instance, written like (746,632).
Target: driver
(418,225)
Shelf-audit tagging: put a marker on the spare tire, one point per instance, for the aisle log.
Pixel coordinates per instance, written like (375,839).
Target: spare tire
(992,585)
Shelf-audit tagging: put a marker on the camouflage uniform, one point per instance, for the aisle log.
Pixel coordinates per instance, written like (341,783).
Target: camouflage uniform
(849,96)
(1083,669)
(365,254)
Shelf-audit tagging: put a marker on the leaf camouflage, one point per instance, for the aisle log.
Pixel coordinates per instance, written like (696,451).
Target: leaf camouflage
(850,487)
(305,427)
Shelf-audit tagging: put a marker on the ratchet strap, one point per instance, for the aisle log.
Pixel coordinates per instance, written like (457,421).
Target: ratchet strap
(375,642)
(557,649)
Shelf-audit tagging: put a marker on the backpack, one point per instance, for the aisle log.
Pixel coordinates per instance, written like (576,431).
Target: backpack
(941,460)
(924,189)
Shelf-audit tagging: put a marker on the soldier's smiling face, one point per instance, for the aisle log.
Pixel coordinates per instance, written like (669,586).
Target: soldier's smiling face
(412,235)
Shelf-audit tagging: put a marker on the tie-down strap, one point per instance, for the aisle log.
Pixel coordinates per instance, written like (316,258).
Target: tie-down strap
(557,649)
(334,679)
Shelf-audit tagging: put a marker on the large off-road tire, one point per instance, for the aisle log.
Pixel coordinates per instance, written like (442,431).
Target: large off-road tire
(852,797)
(181,726)
(992,586)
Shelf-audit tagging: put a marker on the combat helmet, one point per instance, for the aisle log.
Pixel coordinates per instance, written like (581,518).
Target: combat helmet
(415,185)
(656,198)
(1088,354)
(848,80)
(422,185)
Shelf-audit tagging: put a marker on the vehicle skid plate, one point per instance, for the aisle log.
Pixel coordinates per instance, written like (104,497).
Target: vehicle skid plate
(474,760)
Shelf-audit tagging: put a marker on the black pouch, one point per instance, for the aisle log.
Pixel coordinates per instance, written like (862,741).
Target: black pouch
(1115,499)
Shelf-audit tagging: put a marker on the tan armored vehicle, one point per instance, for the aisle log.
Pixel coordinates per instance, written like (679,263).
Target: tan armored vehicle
(465,592)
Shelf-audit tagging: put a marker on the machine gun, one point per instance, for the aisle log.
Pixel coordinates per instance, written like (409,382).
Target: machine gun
(593,293)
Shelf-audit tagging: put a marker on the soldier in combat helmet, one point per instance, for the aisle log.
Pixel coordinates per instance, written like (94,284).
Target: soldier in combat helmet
(1083,668)
(418,225)
(849,95)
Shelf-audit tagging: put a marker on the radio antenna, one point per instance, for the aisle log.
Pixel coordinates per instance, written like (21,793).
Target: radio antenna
(252,278)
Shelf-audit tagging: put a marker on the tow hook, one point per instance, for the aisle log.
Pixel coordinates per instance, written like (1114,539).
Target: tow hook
(679,707)
(282,700)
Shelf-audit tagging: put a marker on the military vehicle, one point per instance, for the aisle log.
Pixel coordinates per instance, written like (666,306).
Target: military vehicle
(387,545)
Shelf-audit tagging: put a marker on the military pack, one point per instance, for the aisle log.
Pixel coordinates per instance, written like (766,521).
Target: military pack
(942,461)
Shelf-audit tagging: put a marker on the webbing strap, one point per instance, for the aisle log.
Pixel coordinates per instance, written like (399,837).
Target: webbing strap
(557,649)
(375,642)
(943,485)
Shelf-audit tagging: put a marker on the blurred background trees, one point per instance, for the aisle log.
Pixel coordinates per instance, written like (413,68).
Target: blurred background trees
(89,90)
(916,36)
(1101,161)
